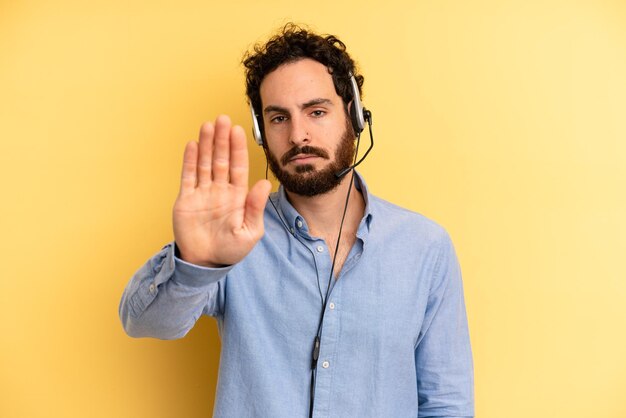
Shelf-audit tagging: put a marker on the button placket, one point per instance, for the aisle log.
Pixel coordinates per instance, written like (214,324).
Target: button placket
(328,353)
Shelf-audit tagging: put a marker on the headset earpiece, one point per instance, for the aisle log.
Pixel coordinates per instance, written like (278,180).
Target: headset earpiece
(256,128)
(356,108)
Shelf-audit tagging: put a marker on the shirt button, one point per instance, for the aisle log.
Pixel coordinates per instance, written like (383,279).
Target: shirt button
(326,365)
(152,288)
(320,249)
(299,223)
(331,305)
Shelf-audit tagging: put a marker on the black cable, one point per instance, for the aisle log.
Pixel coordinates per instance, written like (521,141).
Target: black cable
(318,337)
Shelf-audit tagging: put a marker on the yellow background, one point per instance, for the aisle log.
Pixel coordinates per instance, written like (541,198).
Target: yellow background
(502,120)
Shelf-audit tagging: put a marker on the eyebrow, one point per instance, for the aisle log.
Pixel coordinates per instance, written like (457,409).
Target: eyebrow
(310,103)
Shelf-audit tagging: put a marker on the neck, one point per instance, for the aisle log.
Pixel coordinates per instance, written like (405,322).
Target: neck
(323,212)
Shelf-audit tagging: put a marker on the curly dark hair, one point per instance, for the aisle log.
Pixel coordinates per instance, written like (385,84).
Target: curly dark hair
(291,44)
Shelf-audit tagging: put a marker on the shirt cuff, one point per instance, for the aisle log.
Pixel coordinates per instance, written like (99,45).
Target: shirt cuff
(197,276)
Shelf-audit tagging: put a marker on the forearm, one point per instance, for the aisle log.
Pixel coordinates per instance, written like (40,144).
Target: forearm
(443,357)
(166,296)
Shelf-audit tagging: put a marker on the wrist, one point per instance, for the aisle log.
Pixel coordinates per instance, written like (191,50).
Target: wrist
(194,261)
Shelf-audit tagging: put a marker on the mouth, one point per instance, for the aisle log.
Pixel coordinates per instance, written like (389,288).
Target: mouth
(303,155)
(303,158)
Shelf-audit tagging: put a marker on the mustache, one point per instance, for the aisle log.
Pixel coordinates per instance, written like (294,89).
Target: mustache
(307,149)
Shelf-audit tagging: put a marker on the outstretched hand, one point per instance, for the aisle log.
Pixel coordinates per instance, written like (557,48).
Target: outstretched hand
(217,221)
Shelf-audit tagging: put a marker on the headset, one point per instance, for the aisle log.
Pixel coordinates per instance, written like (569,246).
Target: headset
(358,114)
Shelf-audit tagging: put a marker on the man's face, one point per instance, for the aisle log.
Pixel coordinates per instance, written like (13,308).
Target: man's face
(308,134)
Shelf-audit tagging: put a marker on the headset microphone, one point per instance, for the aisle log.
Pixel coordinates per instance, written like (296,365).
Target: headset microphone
(367,115)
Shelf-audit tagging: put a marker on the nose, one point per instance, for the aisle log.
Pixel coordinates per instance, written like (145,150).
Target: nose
(299,134)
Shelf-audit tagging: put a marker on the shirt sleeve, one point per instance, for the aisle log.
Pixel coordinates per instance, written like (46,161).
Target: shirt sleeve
(443,357)
(166,296)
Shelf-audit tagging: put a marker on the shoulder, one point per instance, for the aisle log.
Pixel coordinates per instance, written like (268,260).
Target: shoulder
(406,224)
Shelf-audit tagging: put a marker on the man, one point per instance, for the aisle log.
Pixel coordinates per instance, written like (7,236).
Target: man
(330,302)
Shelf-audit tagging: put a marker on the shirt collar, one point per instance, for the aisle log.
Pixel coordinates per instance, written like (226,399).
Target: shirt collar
(296,222)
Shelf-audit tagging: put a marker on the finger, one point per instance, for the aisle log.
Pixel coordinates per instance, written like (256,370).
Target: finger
(221,149)
(190,160)
(205,154)
(238,158)
(255,205)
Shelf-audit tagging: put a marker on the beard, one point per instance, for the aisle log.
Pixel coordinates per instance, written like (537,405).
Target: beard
(307,181)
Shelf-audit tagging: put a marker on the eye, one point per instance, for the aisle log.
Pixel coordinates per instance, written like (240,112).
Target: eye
(318,113)
(278,119)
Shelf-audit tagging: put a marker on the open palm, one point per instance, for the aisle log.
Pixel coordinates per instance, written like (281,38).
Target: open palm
(217,221)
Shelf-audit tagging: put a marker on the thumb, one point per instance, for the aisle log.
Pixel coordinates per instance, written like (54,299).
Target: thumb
(255,205)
